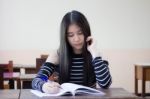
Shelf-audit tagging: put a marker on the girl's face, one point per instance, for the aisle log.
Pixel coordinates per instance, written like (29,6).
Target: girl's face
(75,38)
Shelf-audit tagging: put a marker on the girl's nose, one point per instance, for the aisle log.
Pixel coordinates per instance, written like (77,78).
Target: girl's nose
(76,38)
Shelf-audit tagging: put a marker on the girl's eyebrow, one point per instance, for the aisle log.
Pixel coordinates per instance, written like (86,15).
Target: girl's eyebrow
(69,32)
(79,29)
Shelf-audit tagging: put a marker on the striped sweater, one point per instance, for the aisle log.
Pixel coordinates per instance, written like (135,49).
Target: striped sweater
(101,70)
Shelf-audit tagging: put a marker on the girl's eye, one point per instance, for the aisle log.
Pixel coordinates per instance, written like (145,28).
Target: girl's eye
(80,32)
(70,35)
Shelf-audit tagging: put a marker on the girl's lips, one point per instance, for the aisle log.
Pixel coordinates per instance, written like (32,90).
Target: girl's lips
(77,44)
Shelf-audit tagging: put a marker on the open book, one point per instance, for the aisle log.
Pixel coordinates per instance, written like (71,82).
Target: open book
(71,89)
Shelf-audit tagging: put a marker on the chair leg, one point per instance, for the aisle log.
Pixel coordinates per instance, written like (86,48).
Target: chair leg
(18,84)
(11,84)
(136,86)
(135,81)
(1,79)
(143,83)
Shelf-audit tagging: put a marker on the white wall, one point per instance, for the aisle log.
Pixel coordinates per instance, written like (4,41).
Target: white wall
(34,24)
(121,28)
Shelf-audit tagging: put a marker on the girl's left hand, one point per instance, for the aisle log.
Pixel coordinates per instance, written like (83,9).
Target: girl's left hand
(91,46)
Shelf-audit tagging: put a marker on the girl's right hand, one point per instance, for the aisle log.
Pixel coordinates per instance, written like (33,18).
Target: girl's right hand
(51,87)
(53,58)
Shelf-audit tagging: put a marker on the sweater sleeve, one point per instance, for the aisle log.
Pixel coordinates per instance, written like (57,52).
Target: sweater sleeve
(102,73)
(44,73)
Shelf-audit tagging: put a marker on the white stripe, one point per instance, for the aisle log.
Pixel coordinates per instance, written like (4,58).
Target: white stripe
(76,70)
(103,79)
(48,68)
(46,71)
(35,81)
(100,70)
(105,83)
(76,73)
(78,66)
(102,74)
(100,66)
(45,75)
(98,62)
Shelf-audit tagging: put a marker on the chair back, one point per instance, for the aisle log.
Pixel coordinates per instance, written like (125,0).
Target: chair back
(8,67)
(39,63)
(44,56)
(1,78)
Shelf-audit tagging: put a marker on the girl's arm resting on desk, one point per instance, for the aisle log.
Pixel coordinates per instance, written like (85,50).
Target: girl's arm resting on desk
(102,73)
(45,72)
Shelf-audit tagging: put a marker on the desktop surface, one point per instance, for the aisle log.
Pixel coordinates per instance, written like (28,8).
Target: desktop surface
(111,93)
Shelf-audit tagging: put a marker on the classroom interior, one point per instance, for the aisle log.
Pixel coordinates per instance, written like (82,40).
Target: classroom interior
(29,31)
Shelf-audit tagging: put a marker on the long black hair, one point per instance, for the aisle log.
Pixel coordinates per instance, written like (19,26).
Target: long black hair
(65,50)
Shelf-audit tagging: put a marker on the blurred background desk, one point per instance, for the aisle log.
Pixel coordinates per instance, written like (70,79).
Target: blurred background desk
(112,93)
(142,72)
(25,68)
(26,77)
(27,73)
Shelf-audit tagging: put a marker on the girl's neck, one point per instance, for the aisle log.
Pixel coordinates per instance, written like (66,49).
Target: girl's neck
(77,51)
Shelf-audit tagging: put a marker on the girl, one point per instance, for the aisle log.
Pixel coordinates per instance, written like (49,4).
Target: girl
(77,60)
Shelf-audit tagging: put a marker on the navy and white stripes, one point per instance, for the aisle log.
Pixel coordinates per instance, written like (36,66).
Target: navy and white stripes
(45,72)
(102,73)
(101,70)
(76,71)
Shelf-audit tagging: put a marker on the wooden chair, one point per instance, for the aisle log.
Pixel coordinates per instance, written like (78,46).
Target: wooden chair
(7,73)
(7,67)
(27,78)
(40,61)
(45,56)
(1,77)
(142,72)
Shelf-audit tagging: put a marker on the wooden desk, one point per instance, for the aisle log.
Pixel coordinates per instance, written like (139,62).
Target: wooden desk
(7,76)
(142,72)
(14,76)
(9,94)
(112,93)
(1,78)
(26,77)
(25,68)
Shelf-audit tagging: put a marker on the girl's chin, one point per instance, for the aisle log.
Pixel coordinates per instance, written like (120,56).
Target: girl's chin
(78,48)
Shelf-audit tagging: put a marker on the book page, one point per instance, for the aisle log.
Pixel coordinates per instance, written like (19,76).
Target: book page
(83,91)
(40,94)
(75,88)
(72,89)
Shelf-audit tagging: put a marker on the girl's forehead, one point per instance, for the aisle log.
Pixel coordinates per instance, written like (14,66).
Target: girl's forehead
(73,27)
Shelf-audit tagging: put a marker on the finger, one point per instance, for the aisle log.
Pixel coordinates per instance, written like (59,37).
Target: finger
(57,85)
(88,38)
